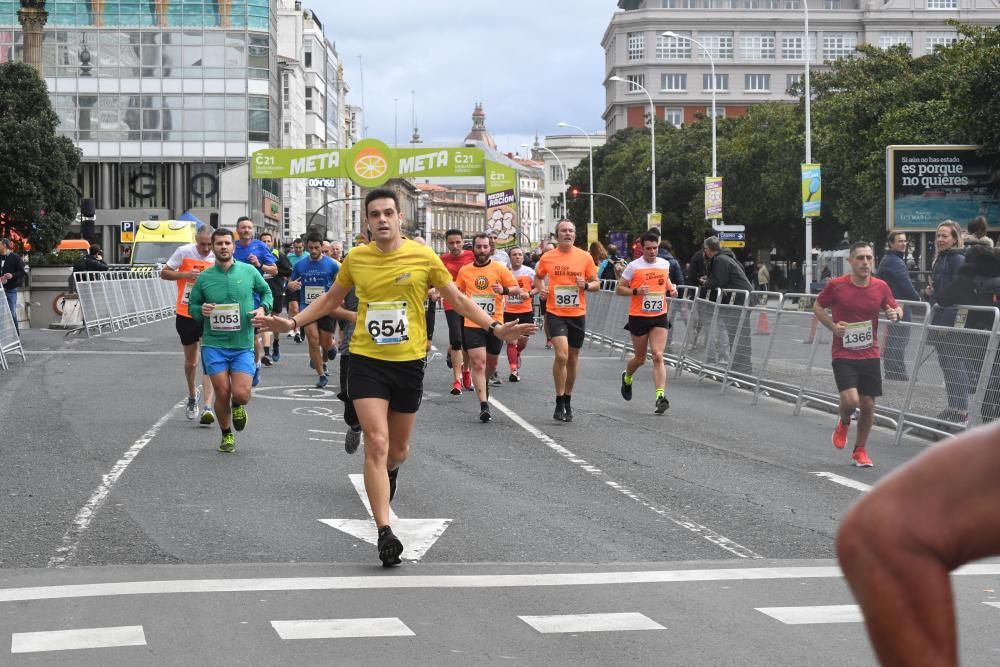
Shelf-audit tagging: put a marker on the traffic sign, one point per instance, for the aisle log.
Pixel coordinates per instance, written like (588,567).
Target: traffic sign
(732,236)
(719,227)
(733,244)
(128,231)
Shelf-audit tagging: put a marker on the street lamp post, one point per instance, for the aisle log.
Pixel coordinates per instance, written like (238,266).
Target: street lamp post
(591,144)
(563,168)
(711,62)
(807,263)
(652,136)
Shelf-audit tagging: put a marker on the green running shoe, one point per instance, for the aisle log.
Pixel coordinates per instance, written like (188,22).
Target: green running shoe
(239,417)
(228,443)
(207,417)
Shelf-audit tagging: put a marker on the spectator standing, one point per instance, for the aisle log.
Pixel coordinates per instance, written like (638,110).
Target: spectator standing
(977,231)
(11,275)
(949,259)
(667,252)
(763,277)
(725,272)
(892,269)
(598,252)
(612,266)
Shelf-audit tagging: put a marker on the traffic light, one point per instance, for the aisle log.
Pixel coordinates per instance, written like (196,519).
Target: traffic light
(574,192)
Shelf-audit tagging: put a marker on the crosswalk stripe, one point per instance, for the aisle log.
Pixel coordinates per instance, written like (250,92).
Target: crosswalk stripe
(844,481)
(341,628)
(62,640)
(591,622)
(834,613)
(993,604)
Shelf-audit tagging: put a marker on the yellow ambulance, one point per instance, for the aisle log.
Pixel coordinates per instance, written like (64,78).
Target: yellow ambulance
(156,240)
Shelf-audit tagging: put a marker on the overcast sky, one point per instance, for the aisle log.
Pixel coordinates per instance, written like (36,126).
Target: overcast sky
(532,63)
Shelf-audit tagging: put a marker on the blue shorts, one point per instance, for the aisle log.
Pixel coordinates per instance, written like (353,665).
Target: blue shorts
(218,359)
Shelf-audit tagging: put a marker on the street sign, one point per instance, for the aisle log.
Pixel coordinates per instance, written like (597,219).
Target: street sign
(733,244)
(732,236)
(128,231)
(719,227)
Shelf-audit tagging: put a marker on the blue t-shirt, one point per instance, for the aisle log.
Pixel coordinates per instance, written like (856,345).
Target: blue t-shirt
(317,277)
(255,247)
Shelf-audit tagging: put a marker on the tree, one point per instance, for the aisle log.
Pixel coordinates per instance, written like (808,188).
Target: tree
(38,198)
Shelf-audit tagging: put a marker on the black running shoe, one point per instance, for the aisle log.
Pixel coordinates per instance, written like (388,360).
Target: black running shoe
(662,404)
(626,389)
(560,413)
(514,377)
(568,413)
(484,414)
(266,360)
(389,547)
(393,474)
(352,440)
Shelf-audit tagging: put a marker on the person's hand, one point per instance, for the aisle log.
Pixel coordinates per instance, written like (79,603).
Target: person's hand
(839,329)
(673,292)
(294,285)
(643,289)
(193,273)
(272,323)
(207,308)
(581,282)
(255,261)
(497,288)
(433,295)
(892,314)
(703,280)
(513,330)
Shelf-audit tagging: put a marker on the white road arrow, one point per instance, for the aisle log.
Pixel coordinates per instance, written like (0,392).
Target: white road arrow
(417,535)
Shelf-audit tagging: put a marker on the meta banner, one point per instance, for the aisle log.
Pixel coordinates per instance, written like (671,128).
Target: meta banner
(369,163)
(812,190)
(501,203)
(926,185)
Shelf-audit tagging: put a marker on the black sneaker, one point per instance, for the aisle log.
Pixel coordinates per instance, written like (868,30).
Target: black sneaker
(568,412)
(514,377)
(484,414)
(266,360)
(298,337)
(352,440)
(393,474)
(560,413)
(626,389)
(662,404)
(389,547)
(331,354)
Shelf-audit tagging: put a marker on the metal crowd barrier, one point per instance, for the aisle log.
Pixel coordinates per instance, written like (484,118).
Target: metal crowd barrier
(116,300)
(938,380)
(10,340)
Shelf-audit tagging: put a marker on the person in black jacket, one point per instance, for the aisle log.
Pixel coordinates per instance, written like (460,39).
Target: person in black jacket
(978,284)
(892,269)
(725,272)
(951,356)
(11,276)
(277,285)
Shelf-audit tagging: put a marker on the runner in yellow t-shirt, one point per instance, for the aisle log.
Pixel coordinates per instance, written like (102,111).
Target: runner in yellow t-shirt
(571,273)
(391,276)
(647,282)
(486,282)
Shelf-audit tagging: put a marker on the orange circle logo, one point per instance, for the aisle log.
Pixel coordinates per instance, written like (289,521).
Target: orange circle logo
(370,164)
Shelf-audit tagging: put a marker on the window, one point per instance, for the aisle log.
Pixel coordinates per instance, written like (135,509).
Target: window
(942,4)
(792,80)
(309,98)
(757,46)
(719,44)
(557,173)
(635,81)
(831,4)
(838,45)
(792,4)
(307,55)
(791,46)
(760,83)
(287,127)
(674,116)
(285,93)
(636,45)
(673,82)
(936,39)
(889,39)
(721,82)
(673,48)
(720,112)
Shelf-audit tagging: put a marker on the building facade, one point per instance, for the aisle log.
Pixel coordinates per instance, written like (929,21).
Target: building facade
(560,154)
(159,97)
(451,208)
(532,212)
(758,47)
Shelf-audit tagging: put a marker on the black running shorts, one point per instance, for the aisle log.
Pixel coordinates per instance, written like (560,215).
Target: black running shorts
(189,330)
(455,324)
(639,326)
(476,337)
(523,318)
(399,382)
(865,375)
(571,327)
(326,323)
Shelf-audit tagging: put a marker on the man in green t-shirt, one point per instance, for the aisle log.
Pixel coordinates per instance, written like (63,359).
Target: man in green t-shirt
(222,299)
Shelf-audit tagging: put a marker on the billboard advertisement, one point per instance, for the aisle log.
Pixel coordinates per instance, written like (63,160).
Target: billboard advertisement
(501,203)
(926,185)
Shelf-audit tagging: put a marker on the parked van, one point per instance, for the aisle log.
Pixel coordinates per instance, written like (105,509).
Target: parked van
(156,240)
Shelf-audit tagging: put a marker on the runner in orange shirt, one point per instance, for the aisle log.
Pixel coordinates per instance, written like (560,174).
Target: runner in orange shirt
(647,281)
(571,273)
(486,282)
(519,307)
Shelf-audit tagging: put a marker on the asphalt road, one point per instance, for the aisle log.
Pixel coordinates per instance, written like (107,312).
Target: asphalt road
(663,526)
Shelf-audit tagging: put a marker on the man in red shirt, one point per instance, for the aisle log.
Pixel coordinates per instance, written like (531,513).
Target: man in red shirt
(856,300)
(454,260)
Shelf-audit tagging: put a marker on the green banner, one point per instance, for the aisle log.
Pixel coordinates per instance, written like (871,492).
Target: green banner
(368,163)
(501,203)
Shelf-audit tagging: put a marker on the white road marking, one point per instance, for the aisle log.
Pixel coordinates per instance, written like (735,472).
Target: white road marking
(993,604)
(63,640)
(417,535)
(381,582)
(104,353)
(679,519)
(71,540)
(591,623)
(340,628)
(844,481)
(834,613)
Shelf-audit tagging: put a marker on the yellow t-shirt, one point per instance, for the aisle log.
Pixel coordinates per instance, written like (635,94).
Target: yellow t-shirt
(391,288)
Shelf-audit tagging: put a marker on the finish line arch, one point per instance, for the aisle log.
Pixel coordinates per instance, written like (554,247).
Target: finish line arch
(371,163)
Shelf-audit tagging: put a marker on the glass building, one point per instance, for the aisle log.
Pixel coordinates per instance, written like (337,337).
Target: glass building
(159,95)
